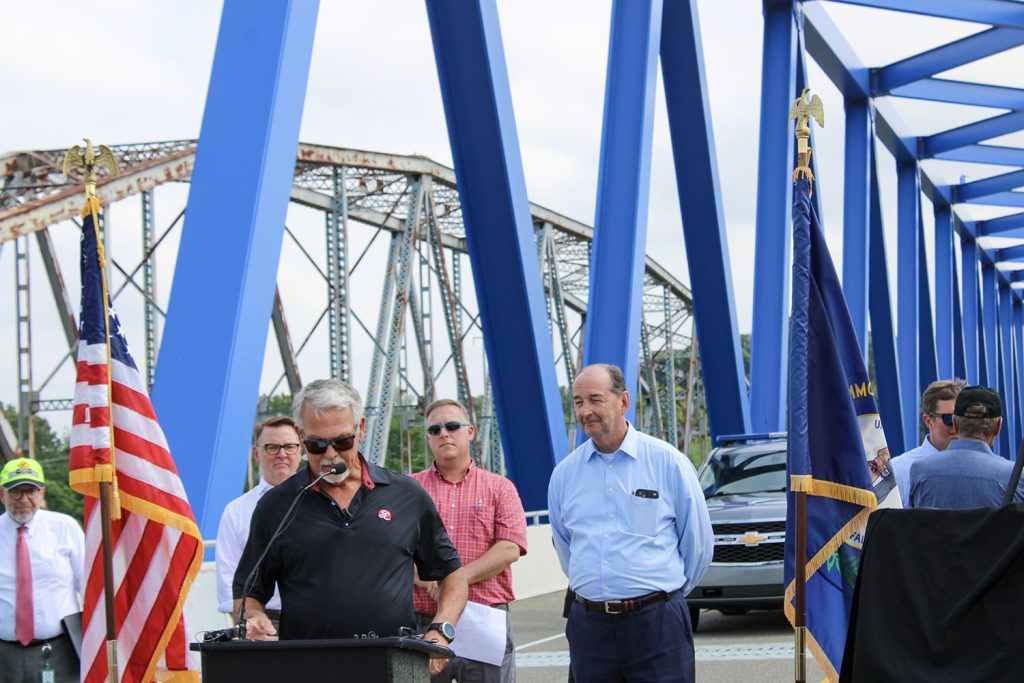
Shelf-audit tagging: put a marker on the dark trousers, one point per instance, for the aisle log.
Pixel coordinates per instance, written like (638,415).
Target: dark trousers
(21,664)
(653,644)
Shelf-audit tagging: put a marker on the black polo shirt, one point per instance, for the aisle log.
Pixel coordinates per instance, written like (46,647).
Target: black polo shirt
(345,573)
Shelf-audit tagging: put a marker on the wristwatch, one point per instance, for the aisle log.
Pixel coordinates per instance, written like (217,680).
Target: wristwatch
(444,628)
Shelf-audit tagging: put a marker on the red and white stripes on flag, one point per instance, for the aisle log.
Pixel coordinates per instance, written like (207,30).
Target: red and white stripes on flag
(157,547)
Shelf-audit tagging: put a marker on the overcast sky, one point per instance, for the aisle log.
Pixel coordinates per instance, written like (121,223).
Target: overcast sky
(138,71)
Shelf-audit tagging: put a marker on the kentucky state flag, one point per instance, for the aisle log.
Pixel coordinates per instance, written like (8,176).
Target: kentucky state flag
(837,452)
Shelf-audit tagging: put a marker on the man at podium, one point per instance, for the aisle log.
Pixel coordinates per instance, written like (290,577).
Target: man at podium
(344,562)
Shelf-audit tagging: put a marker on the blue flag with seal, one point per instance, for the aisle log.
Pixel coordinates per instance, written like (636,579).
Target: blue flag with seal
(837,453)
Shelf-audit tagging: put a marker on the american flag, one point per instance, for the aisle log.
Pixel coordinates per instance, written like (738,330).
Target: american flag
(157,547)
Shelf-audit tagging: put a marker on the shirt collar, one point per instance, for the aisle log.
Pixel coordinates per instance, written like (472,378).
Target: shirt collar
(972,445)
(628,446)
(470,472)
(372,475)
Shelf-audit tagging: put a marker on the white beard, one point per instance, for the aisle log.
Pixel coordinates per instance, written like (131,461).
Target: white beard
(328,463)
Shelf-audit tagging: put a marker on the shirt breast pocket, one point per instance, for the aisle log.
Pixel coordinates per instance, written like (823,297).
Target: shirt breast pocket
(643,515)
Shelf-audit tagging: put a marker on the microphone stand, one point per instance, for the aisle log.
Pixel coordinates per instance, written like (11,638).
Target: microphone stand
(1011,486)
(340,468)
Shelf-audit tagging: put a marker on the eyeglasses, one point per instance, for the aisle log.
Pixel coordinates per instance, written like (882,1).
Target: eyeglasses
(338,443)
(31,491)
(275,448)
(947,418)
(450,427)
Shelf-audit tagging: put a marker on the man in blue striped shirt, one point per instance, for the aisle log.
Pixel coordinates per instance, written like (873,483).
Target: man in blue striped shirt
(633,535)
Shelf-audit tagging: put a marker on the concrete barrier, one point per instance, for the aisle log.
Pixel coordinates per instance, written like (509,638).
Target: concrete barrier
(538,572)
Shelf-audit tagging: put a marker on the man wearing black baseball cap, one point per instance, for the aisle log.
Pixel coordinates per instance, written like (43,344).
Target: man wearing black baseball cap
(967,474)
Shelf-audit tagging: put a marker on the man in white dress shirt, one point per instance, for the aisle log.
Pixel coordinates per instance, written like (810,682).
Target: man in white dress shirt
(41,564)
(278,449)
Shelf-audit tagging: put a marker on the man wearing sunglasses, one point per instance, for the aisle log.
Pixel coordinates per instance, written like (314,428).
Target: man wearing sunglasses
(937,403)
(967,474)
(344,561)
(632,532)
(277,449)
(484,517)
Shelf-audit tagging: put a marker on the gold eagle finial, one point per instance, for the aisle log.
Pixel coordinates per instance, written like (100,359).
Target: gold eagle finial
(802,111)
(90,160)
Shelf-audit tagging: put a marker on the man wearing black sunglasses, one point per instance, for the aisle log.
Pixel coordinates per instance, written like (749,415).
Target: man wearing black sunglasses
(485,519)
(344,562)
(937,403)
(967,474)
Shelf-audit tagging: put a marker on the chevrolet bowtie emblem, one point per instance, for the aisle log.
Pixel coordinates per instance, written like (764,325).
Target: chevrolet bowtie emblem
(751,539)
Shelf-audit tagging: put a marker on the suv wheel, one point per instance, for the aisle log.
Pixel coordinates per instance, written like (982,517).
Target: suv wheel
(694,618)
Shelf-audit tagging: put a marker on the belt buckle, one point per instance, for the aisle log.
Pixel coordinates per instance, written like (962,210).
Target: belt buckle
(619,604)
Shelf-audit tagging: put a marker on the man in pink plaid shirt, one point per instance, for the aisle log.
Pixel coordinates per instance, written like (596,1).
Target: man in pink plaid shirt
(485,520)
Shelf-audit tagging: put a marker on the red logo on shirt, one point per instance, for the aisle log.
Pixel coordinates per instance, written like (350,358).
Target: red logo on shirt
(385,515)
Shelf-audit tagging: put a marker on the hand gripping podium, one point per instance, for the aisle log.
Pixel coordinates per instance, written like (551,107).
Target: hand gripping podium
(359,660)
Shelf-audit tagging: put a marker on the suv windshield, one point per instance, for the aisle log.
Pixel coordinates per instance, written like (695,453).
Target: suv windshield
(743,470)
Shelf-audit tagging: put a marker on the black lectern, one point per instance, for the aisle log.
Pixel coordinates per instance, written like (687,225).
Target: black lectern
(360,660)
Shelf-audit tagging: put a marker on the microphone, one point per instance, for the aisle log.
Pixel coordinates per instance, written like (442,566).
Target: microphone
(240,630)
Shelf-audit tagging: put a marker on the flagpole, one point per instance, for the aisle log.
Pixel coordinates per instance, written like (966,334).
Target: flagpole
(108,581)
(800,578)
(110,507)
(802,111)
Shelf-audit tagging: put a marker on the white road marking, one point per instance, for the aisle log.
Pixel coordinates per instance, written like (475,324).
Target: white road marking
(703,653)
(541,641)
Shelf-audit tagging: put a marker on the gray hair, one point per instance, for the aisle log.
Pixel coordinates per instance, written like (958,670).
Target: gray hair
(322,395)
(616,380)
(981,428)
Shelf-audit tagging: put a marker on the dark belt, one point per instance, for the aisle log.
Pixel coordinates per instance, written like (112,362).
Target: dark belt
(623,606)
(36,643)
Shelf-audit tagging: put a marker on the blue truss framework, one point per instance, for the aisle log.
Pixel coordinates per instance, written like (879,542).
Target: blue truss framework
(975,329)
(942,345)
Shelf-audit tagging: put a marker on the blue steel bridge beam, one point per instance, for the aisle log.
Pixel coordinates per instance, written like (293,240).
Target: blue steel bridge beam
(1000,226)
(959,357)
(944,290)
(1011,254)
(971,133)
(206,397)
(907,302)
(943,58)
(615,302)
(768,350)
(883,336)
(1008,199)
(961,92)
(927,364)
(969,305)
(856,181)
(499,238)
(1010,424)
(997,12)
(985,154)
(966,192)
(1018,364)
(707,250)
(990,321)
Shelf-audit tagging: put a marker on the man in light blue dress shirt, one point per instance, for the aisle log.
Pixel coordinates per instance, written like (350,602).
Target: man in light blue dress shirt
(967,474)
(632,532)
(937,403)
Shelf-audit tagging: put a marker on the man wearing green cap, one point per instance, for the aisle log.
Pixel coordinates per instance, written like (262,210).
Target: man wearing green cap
(41,567)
